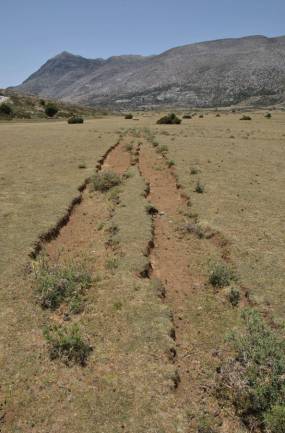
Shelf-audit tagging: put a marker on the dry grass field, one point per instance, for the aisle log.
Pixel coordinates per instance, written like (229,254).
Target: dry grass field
(188,197)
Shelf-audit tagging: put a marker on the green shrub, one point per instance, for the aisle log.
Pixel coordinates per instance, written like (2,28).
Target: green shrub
(221,275)
(55,284)
(275,419)
(170,119)
(129,116)
(67,344)
(6,110)
(51,109)
(170,163)
(268,116)
(255,379)
(199,188)
(244,117)
(234,296)
(105,180)
(75,120)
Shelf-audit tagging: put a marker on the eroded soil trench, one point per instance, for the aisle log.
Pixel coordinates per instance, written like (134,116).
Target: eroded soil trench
(174,260)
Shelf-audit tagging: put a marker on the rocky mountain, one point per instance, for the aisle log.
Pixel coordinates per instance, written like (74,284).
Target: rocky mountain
(215,73)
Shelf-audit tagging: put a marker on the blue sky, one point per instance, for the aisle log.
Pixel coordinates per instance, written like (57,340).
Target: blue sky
(32,31)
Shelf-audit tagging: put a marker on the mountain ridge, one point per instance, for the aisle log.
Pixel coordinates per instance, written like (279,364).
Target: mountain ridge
(205,74)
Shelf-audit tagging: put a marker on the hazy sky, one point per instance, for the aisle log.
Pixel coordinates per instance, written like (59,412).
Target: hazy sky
(32,31)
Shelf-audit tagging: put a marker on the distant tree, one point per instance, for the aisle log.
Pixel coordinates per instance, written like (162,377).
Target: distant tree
(51,109)
(6,109)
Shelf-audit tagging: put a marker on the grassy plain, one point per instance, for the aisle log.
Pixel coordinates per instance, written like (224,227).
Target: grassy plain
(130,381)
(241,164)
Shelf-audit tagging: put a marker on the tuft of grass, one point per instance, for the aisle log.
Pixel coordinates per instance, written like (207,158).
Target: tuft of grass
(105,180)
(254,379)
(55,284)
(234,296)
(112,263)
(129,147)
(199,188)
(67,344)
(194,170)
(205,424)
(221,275)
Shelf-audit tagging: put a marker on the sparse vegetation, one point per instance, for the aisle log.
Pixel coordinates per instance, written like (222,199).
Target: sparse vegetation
(129,116)
(170,119)
(105,180)
(245,117)
(67,344)
(268,115)
(187,116)
(75,120)
(254,379)
(55,284)
(221,275)
(194,170)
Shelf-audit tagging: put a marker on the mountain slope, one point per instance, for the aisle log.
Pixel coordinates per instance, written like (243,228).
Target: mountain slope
(221,72)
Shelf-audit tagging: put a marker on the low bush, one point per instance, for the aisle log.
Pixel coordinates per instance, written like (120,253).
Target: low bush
(199,188)
(244,117)
(268,116)
(55,284)
(129,116)
(105,180)
(67,344)
(221,275)
(201,116)
(193,171)
(170,119)
(75,120)
(187,116)
(170,163)
(255,379)
(51,109)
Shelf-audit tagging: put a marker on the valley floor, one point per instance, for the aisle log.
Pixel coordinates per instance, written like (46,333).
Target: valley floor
(156,325)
